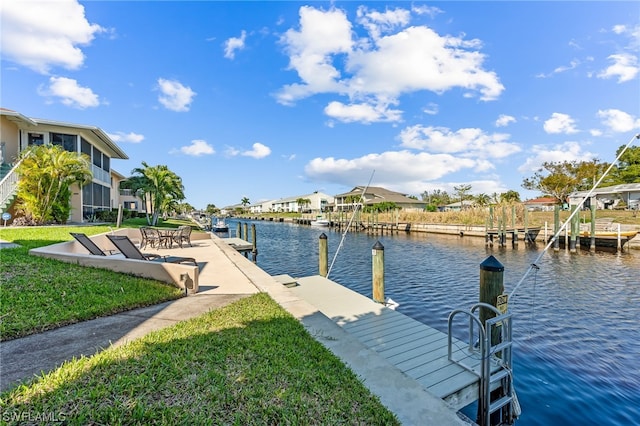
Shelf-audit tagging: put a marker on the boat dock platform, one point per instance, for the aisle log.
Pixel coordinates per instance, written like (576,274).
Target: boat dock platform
(417,350)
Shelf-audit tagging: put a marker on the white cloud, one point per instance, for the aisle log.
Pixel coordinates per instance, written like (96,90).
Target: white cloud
(174,95)
(390,168)
(431,109)
(126,137)
(364,113)
(197,148)
(567,151)
(380,68)
(234,43)
(44,34)
(378,23)
(257,151)
(231,151)
(560,123)
(625,67)
(70,93)
(470,142)
(618,121)
(504,120)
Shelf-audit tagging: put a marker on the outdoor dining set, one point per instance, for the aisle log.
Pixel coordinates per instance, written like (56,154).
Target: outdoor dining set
(165,237)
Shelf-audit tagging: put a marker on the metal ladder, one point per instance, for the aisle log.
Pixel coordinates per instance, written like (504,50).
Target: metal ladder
(495,368)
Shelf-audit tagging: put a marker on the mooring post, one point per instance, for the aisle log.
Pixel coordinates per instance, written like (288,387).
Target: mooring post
(323,254)
(556,227)
(239,230)
(254,243)
(572,240)
(377,263)
(490,217)
(514,243)
(245,231)
(491,286)
(619,240)
(527,237)
(592,245)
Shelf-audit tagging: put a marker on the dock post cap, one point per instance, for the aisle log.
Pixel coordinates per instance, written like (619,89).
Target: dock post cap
(323,236)
(491,264)
(378,246)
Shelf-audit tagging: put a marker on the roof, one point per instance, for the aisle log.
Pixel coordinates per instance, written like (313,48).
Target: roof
(104,141)
(380,194)
(614,189)
(542,200)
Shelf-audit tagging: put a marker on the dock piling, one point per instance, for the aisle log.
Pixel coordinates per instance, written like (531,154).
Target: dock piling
(323,254)
(377,263)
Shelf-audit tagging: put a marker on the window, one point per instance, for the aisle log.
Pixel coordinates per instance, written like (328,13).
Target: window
(67,142)
(85,147)
(105,163)
(36,139)
(97,157)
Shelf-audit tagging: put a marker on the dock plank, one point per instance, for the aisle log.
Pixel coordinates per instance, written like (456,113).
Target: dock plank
(414,348)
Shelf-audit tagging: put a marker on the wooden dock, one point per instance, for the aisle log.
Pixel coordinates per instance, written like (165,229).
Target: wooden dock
(419,351)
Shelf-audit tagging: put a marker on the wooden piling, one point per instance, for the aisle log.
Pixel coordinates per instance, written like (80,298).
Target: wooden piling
(556,227)
(592,245)
(239,230)
(245,232)
(573,238)
(323,255)
(254,243)
(377,264)
(491,286)
(514,241)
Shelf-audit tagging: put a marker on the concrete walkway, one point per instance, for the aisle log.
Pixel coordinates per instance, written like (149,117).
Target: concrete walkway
(225,277)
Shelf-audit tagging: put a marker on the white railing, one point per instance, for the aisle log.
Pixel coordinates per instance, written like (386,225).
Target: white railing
(100,174)
(8,186)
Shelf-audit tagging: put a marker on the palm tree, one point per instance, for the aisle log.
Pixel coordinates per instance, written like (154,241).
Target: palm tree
(245,202)
(483,200)
(302,202)
(46,175)
(162,188)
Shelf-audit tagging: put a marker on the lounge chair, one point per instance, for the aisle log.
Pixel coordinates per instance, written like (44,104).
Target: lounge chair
(90,245)
(130,251)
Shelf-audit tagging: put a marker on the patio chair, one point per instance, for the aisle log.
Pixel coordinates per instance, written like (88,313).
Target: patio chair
(151,237)
(182,235)
(130,251)
(90,245)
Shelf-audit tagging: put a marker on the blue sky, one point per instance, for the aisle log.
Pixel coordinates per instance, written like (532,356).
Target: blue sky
(274,99)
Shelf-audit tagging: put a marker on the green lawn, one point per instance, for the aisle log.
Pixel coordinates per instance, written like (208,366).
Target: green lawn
(249,363)
(39,294)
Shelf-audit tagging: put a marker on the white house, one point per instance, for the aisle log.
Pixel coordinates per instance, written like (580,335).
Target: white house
(375,195)
(18,132)
(315,203)
(611,196)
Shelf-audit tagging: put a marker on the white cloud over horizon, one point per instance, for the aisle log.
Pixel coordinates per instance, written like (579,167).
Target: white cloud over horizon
(174,95)
(69,93)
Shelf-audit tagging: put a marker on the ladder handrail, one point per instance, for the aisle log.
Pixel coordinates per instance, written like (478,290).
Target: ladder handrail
(487,352)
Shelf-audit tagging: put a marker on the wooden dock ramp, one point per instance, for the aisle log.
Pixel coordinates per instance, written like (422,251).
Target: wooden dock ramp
(416,349)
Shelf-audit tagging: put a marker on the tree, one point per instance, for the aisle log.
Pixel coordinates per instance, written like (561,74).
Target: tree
(462,191)
(211,209)
(436,197)
(302,202)
(46,175)
(628,168)
(482,200)
(510,196)
(161,187)
(559,179)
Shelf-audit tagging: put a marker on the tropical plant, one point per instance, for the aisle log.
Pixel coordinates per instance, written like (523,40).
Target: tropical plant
(46,175)
(482,199)
(302,203)
(161,187)
(462,191)
(628,166)
(510,196)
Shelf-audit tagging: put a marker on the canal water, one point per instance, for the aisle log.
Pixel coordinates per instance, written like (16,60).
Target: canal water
(576,318)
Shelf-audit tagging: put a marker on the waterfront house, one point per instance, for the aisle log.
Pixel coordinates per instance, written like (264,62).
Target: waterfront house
(610,197)
(317,202)
(19,132)
(544,204)
(375,195)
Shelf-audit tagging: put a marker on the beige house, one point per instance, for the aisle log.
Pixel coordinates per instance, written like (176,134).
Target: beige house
(375,195)
(18,132)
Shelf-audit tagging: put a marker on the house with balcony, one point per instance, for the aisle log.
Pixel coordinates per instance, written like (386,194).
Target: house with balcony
(315,202)
(18,132)
(375,195)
